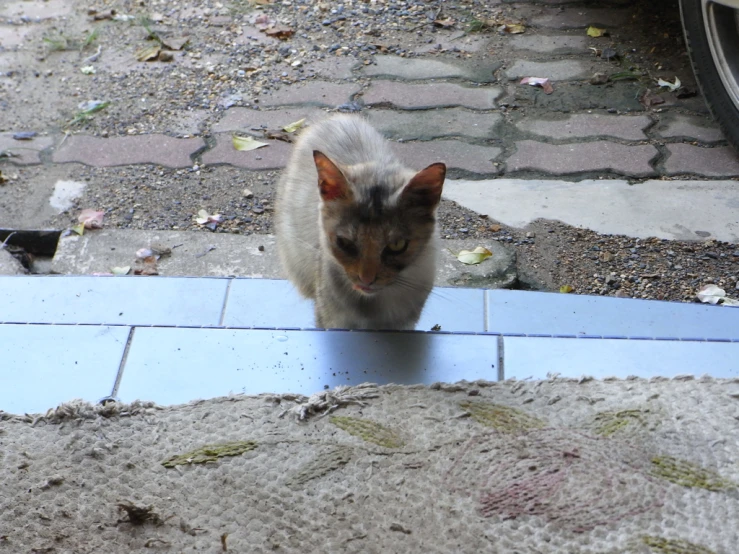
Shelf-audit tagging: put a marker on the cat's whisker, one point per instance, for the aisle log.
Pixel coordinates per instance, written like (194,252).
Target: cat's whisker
(435,291)
(296,238)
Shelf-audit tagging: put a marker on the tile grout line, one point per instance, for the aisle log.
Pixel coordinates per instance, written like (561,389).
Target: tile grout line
(485,310)
(122,365)
(225,303)
(501,358)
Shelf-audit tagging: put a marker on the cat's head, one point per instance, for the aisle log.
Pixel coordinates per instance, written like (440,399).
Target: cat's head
(377,221)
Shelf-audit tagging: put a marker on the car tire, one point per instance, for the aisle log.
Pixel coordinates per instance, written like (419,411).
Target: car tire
(712,35)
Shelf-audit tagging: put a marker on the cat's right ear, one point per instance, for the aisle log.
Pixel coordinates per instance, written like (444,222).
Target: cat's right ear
(331,181)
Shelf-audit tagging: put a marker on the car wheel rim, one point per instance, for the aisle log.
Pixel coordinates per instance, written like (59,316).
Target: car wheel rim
(721,18)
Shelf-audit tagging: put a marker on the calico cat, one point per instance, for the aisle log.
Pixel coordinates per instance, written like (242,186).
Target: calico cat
(356,230)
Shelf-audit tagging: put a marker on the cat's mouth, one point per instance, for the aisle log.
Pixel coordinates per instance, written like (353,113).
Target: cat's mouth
(364,289)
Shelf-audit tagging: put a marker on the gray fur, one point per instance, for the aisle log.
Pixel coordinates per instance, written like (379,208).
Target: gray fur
(365,158)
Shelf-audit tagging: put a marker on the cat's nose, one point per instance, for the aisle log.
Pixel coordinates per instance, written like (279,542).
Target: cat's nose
(367,276)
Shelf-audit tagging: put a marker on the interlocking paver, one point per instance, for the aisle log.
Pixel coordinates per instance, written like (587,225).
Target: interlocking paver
(458,41)
(588,125)
(434,124)
(136,149)
(580,18)
(311,93)
(420,68)
(632,161)
(24,152)
(339,67)
(722,161)
(430,95)
(246,120)
(456,154)
(273,156)
(562,44)
(561,70)
(692,127)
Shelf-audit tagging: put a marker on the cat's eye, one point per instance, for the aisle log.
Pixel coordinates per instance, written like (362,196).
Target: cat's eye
(347,246)
(397,246)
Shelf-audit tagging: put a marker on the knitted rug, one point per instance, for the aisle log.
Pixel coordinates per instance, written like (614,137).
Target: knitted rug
(557,466)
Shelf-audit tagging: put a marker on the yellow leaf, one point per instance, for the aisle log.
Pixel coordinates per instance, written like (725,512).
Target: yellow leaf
(565,289)
(294,126)
(148,53)
(515,28)
(596,32)
(79,228)
(474,257)
(244,144)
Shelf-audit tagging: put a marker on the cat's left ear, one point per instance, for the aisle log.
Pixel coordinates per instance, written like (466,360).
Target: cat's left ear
(424,189)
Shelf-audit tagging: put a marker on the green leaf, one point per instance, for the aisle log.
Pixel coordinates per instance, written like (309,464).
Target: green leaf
(566,289)
(622,75)
(475,256)
(79,229)
(244,144)
(294,126)
(596,32)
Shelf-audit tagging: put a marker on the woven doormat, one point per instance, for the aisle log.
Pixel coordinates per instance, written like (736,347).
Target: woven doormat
(556,466)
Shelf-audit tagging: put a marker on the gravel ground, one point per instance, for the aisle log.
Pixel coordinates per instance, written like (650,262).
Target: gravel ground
(550,254)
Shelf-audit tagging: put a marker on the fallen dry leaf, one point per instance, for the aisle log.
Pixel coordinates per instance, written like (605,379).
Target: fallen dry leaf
(566,289)
(204,218)
(91,219)
(244,144)
(596,32)
(281,32)
(514,28)
(671,86)
(146,266)
(649,99)
(174,43)
(713,294)
(148,53)
(444,23)
(294,126)
(473,257)
(277,134)
(542,82)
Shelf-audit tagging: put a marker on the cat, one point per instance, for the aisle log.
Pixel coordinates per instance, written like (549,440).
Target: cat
(356,229)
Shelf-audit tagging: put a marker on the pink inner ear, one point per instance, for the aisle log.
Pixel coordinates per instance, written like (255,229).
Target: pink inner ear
(425,186)
(331,181)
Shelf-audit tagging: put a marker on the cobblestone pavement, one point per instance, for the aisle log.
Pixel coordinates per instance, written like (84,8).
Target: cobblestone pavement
(442,91)
(456,95)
